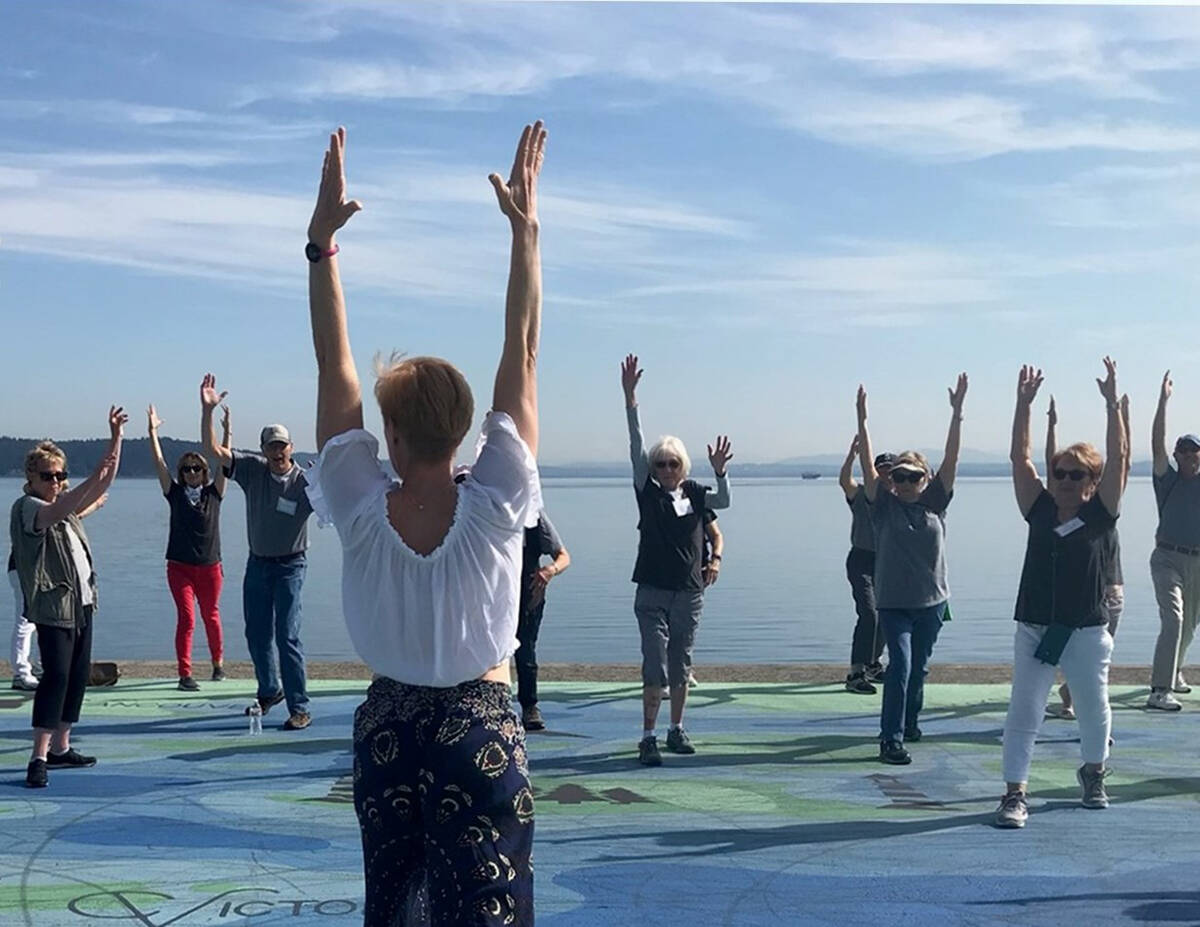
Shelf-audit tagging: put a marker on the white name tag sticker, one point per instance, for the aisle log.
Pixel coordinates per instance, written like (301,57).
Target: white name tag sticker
(286,506)
(1069,527)
(683,506)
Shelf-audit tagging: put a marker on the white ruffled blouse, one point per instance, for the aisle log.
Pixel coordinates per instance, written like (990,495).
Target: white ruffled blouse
(446,617)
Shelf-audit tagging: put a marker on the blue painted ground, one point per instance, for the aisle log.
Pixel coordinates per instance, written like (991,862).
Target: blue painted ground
(783,817)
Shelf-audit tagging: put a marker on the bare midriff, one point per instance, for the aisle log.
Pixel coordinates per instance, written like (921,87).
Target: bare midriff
(498,673)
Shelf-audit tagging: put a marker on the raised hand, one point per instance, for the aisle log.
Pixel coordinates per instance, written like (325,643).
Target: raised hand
(332,210)
(861,404)
(209,397)
(1108,386)
(116,421)
(1029,381)
(630,375)
(152,420)
(1167,387)
(518,197)
(958,394)
(719,455)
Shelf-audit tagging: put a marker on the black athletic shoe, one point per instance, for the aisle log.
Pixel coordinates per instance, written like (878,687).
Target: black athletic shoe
(648,754)
(912,734)
(679,742)
(266,703)
(875,672)
(893,752)
(188,684)
(35,775)
(531,719)
(72,759)
(859,684)
(218,674)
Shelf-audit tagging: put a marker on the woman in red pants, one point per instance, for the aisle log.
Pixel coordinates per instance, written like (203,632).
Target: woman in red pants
(193,549)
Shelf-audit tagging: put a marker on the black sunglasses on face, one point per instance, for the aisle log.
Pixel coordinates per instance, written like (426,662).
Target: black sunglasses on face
(47,476)
(667,464)
(1075,475)
(191,468)
(906,476)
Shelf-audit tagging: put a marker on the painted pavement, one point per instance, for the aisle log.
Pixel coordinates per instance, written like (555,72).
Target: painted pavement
(783,817)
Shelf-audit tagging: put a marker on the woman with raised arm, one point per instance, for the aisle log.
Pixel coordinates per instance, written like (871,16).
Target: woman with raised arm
(430,583)
(1062,619)
(670,572)
(866,646)
(194,571)
(54,564)
(911,592)
(1114,580)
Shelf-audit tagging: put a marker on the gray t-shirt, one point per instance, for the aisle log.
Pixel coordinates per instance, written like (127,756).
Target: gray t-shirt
(862,536)
(910,548)
(1178,508)
(277,508)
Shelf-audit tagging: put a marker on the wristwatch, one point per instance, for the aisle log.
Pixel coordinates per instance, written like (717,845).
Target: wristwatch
(315,252)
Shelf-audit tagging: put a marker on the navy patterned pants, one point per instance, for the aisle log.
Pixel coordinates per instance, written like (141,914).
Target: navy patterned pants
(441,788)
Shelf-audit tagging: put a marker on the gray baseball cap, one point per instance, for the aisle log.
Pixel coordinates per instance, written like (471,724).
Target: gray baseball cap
(273,433)
(1187,439)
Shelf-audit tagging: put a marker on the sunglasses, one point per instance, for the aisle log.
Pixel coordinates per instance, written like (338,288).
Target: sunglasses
(191,468)
(57,476)
(1075,475)
(671,464)
(906,476)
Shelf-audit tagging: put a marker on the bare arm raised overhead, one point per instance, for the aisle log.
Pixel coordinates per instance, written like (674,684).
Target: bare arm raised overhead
(153,422)
(1112,479)
(846,476)
(1051,433)
(515,391)
(865,460)
(209,400)
(1026,482)
(1158,430)
(949,468)
(96,485)
(631,375)
(339,396)
(219,478)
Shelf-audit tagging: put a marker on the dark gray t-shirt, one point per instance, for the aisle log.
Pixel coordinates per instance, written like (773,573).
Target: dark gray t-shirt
(862,536)
(910,548)
(1178,508)
(277,508)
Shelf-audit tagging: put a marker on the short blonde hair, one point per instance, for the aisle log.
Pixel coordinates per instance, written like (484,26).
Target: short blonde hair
(671,446)
(1086,454)
(44,452)
(911,460)
(427,401)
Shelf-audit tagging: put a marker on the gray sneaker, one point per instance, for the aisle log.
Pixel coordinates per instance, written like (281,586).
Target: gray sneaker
(679,742)
(648,754)
(1094,795)
(1013,811)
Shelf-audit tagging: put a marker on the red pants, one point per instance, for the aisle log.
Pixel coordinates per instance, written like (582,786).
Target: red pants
(189,583)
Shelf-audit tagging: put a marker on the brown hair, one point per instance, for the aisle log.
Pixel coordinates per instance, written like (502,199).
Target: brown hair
(45,451)
(190,457)
(1085,454)
(427,401)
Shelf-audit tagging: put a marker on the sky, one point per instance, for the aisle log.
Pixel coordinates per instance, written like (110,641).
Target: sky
(769,204)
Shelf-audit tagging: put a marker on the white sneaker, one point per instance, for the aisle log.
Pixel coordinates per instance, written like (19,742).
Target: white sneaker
(25,683)
(1163,701)
(1181,685)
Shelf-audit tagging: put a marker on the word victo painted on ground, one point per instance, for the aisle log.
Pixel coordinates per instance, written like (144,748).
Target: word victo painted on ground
(158,909)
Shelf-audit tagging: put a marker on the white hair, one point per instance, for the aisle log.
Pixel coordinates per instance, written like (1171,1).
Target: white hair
(670,446)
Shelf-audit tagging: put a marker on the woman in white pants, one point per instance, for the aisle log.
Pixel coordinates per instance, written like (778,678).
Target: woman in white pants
(1060,604)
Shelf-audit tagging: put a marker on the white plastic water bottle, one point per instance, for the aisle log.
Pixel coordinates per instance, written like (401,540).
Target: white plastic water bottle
(255,713)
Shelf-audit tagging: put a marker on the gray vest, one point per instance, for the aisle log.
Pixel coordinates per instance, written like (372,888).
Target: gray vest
(46,569)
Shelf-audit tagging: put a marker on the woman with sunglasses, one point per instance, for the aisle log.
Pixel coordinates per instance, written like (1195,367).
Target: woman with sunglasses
(194,571)
(1062,620)
(670,572)
(1114,580)
(911,593)
(54,565)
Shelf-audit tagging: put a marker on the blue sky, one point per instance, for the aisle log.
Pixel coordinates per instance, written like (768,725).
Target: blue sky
(768,203)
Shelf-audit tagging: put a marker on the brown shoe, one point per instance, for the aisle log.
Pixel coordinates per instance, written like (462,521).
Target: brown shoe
(298,721)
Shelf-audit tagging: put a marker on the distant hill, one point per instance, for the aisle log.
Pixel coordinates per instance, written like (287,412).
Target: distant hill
(82,457)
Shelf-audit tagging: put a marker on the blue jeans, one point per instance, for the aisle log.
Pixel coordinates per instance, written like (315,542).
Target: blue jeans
(271,603)
(910,634)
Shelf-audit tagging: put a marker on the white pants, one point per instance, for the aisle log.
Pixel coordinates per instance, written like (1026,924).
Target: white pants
(22,635)
(1084,663)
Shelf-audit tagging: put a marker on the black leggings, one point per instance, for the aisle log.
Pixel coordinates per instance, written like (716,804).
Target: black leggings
(66,666)
(441,789)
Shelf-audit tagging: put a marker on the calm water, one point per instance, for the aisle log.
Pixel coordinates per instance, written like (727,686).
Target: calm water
(782,596)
